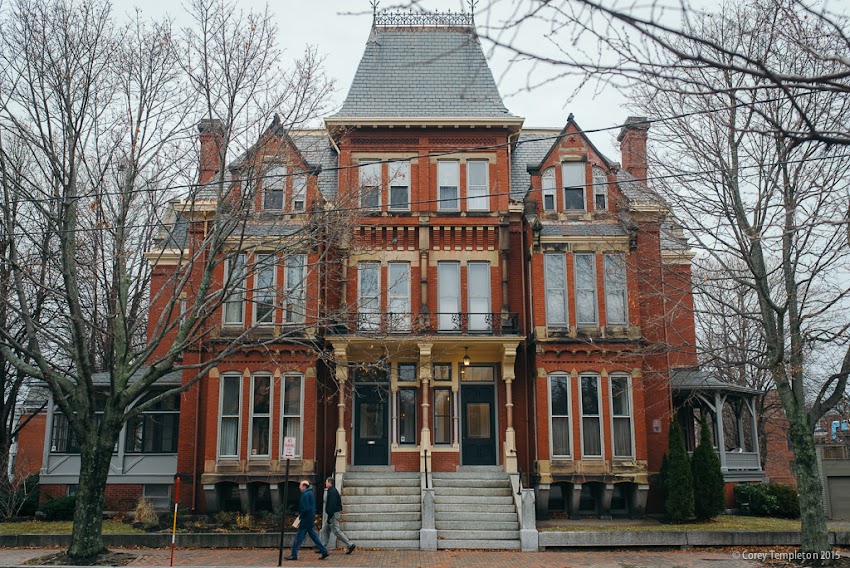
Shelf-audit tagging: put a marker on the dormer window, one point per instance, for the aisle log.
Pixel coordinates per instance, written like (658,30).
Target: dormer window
(273,188)
(370,184)
(574,179)
(600,189)
(549,201)
(299,193)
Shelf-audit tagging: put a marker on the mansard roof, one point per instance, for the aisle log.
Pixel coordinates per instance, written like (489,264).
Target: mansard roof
(423,72)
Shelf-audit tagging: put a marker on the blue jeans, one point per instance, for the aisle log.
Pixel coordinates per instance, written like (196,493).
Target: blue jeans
(304,530)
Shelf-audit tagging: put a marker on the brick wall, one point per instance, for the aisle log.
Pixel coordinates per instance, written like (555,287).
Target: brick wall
(30,446)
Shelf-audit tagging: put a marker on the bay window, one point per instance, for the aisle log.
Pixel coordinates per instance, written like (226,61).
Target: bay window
(261,415)
(574,181)
(477,185)
(585,283)
(448,181)
(292,410)
(621,417)
(591,420)
(555,274)
(559,415)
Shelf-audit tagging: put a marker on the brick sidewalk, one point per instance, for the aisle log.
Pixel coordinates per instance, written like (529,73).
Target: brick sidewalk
(404,559)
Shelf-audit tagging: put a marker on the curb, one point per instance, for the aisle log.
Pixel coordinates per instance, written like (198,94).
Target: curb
(682,539)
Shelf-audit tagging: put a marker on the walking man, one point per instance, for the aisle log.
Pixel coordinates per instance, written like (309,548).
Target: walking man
(333,507)
(306,519)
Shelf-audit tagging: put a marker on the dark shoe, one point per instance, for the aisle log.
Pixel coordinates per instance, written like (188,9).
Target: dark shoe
(324,555)
(351,549)
(290,557)
(317,551)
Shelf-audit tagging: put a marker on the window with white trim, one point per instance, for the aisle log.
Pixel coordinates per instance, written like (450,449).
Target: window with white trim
(448,181)
(369,295)
(448,295)
(299,193)
(398,296)
(234,281)
(477,185)
(585,280)
(559,415)
(555,268)
(295,268)
(600,189)
(574,180)
(621,417)
(261,419)
(442,416)
(550,202)
(614,266)
(264,288)
(399,178)
(478,296)
(292,410)
(274,184)
(370,184)
(229,416)
(591,419)
(407,416)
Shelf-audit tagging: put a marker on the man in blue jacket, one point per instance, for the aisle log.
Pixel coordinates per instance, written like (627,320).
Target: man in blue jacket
(306,518)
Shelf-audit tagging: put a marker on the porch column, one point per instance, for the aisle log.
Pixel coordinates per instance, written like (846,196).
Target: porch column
(341,447)
(740,424)
(508,374)
(751,406)
(425,377)
(718,422)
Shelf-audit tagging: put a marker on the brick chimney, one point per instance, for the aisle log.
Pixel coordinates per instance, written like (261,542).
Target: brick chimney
(632,141)
(210,135)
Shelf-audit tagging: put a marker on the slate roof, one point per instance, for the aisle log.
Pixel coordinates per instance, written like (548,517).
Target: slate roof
(635,191)
(316,149)
(672,236)
(175,236)
(423,72)
(530,150)
(582,229)
(172,378)
(694,379)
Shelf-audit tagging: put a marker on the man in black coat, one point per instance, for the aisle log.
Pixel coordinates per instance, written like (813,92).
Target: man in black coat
(306,519)
(333,507)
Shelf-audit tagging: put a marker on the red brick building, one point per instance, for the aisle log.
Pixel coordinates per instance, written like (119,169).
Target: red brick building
(501,301)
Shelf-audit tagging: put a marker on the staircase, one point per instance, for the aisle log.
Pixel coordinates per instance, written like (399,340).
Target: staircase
(474,508)
(382,508)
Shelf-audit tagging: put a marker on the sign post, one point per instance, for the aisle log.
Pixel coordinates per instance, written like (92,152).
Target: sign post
(174,524)
(288,454)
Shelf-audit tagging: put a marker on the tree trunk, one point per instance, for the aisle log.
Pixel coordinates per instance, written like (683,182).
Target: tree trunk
(86,538)
(814,537)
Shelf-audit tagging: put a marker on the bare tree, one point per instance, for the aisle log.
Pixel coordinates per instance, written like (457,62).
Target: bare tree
(104,112)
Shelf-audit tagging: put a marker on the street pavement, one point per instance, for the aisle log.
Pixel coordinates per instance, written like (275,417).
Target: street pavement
(245,558)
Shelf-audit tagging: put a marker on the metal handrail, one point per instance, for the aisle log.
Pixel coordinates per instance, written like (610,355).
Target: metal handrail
(426,469)
(519,472)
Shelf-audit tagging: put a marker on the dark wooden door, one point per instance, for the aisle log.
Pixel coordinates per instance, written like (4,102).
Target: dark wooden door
(478,425)
(371,425)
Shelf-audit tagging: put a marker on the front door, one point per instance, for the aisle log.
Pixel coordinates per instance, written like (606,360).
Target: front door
(478,425)
(371,425)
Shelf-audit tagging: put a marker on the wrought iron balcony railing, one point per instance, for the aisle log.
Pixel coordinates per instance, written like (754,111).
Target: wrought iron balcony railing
(389,323)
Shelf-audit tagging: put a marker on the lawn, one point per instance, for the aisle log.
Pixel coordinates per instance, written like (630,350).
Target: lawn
(60,527)
(722,523)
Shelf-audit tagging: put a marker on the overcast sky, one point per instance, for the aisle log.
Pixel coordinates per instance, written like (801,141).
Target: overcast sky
(340,28)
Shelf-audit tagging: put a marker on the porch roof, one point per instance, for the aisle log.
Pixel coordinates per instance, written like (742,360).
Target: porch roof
(694,379)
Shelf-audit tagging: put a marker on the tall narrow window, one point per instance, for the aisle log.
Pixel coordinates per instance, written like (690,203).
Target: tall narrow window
(615,289)
(442,416)
(600,189)
(370,184)
(274,183)
(231,402)
(585,276)
(261,394)
(369,298)
(407,416)
(399,174)
(591,424)
(448,178)
(292,410)
(234,282)
(398,296)
(63,439)
(549,202)
(574,179)
(478,275)
(264,288)
(559,400)
(477,185)
(621,415)
(299,193)
(555,268)
(296,299)
(448,292)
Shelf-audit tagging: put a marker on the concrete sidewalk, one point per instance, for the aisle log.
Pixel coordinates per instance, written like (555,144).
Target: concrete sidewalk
(245,558)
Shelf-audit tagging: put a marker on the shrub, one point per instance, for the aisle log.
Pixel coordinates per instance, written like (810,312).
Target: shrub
(758,498)
(678,483)
(225,519)
(787,501)
(146,515)
(61,509)
(709,497)
(29,491)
